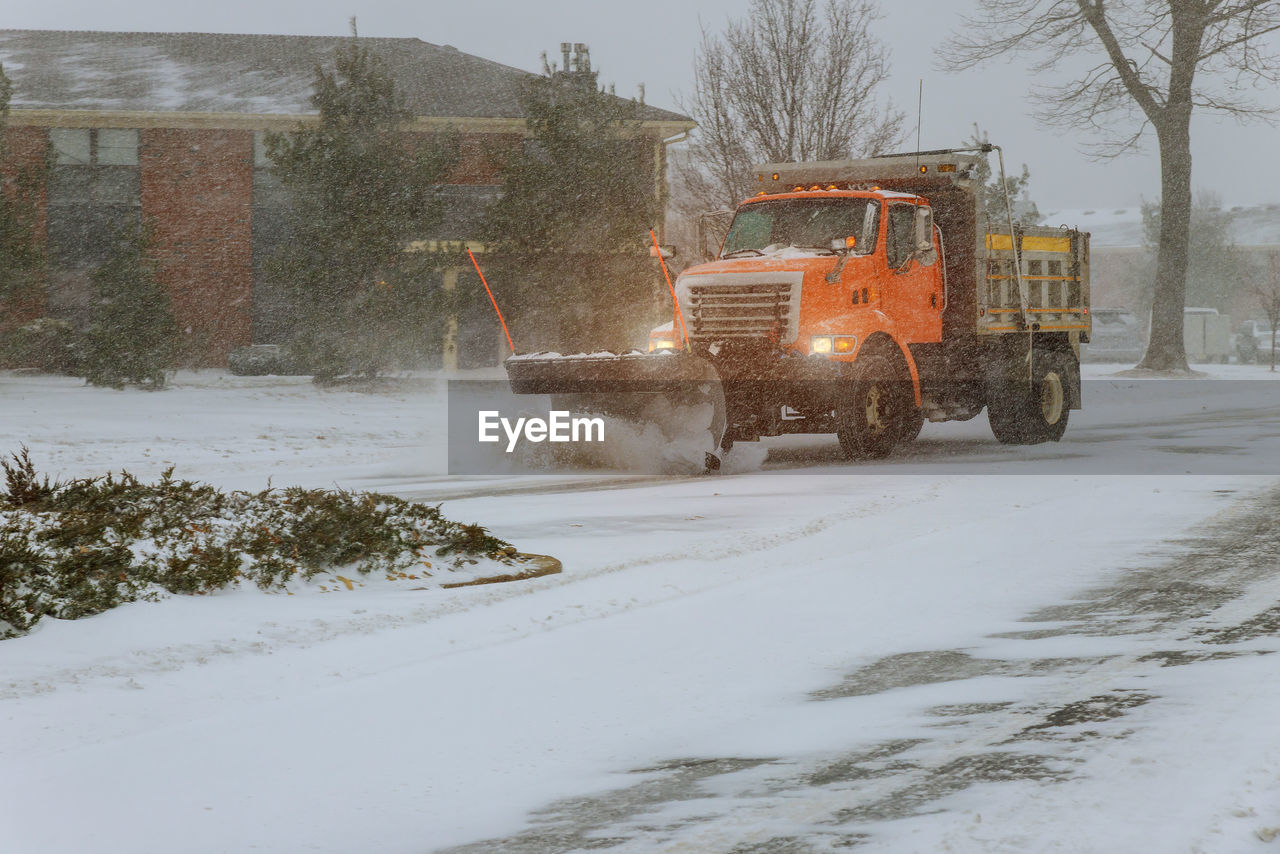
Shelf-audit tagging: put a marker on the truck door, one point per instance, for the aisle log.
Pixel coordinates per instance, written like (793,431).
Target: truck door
(912,289)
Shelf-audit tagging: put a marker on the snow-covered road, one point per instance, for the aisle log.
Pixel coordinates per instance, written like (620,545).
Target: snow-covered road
(966,647)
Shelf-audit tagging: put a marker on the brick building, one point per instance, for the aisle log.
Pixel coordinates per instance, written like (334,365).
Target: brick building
(166,129)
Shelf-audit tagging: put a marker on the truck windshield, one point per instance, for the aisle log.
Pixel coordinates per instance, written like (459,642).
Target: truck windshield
(804,224)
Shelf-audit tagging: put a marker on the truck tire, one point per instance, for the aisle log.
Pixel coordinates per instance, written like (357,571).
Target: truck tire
(872,413)
(1028,415)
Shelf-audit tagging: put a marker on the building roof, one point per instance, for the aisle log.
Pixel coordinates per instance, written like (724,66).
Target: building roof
(247,74)
(1121,228)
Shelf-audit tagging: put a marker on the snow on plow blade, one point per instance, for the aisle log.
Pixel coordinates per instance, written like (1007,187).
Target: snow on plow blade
(679,394)
(603,372)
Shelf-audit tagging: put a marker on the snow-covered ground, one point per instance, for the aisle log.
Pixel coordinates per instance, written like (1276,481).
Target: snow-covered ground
(966,647)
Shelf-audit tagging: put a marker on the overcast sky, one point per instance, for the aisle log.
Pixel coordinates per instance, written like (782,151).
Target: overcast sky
(655,42)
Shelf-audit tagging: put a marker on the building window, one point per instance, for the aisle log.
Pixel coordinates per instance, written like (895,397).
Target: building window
(274,318)
(260,158)
(94,147)
(94,198)
(117,147)
(71,146)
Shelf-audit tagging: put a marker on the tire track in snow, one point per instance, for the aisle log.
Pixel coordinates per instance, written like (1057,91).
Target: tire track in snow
(1059,713)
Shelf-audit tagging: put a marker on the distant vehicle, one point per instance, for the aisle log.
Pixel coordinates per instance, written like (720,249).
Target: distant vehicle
(1253,341)
(1206,334)
(1116,337)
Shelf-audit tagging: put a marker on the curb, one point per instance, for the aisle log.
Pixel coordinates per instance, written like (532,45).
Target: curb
(537,566)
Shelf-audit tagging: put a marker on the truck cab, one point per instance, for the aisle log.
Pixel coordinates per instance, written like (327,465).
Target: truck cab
(817,271)
(860,262)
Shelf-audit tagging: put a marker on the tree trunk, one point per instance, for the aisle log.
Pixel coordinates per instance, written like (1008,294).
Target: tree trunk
(1166,349)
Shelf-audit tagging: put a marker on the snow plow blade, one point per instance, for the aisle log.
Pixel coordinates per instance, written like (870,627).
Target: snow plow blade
(679,393)
(605,372)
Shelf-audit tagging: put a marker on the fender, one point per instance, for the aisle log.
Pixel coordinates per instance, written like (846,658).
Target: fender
(884,336)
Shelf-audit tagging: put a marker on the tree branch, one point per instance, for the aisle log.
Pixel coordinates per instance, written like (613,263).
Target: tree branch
(1097,19)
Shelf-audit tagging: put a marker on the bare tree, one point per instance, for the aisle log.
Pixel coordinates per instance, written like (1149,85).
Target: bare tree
(1155,61)
(789,82)
(1268,295)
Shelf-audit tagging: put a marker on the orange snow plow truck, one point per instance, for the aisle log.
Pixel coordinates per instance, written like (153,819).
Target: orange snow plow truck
(858,298)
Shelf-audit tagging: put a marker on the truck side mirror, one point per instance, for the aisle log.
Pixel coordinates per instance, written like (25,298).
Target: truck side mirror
(712,228)
(924,229)
(924,236)
(841,243)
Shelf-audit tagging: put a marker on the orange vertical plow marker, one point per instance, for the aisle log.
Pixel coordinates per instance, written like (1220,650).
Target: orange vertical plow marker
(476,264)
(679,315)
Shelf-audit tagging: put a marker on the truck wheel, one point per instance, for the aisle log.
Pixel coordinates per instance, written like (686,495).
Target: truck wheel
(870,416)
(1022,415)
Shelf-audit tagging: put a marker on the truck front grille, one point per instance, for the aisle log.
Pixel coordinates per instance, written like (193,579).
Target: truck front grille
(743,310)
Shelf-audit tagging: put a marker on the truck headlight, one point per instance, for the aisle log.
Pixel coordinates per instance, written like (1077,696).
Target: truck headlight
(826,344)
(660,344)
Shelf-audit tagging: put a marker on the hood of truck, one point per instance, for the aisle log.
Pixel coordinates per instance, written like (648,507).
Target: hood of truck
(756,297)
(786,260)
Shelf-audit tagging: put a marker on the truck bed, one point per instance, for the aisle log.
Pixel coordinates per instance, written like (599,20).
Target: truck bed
(1055,277)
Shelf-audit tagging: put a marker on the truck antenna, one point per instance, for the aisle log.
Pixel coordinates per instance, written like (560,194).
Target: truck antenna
(919,112)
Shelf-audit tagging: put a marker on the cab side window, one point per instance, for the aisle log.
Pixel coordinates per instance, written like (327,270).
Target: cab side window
(901,233)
